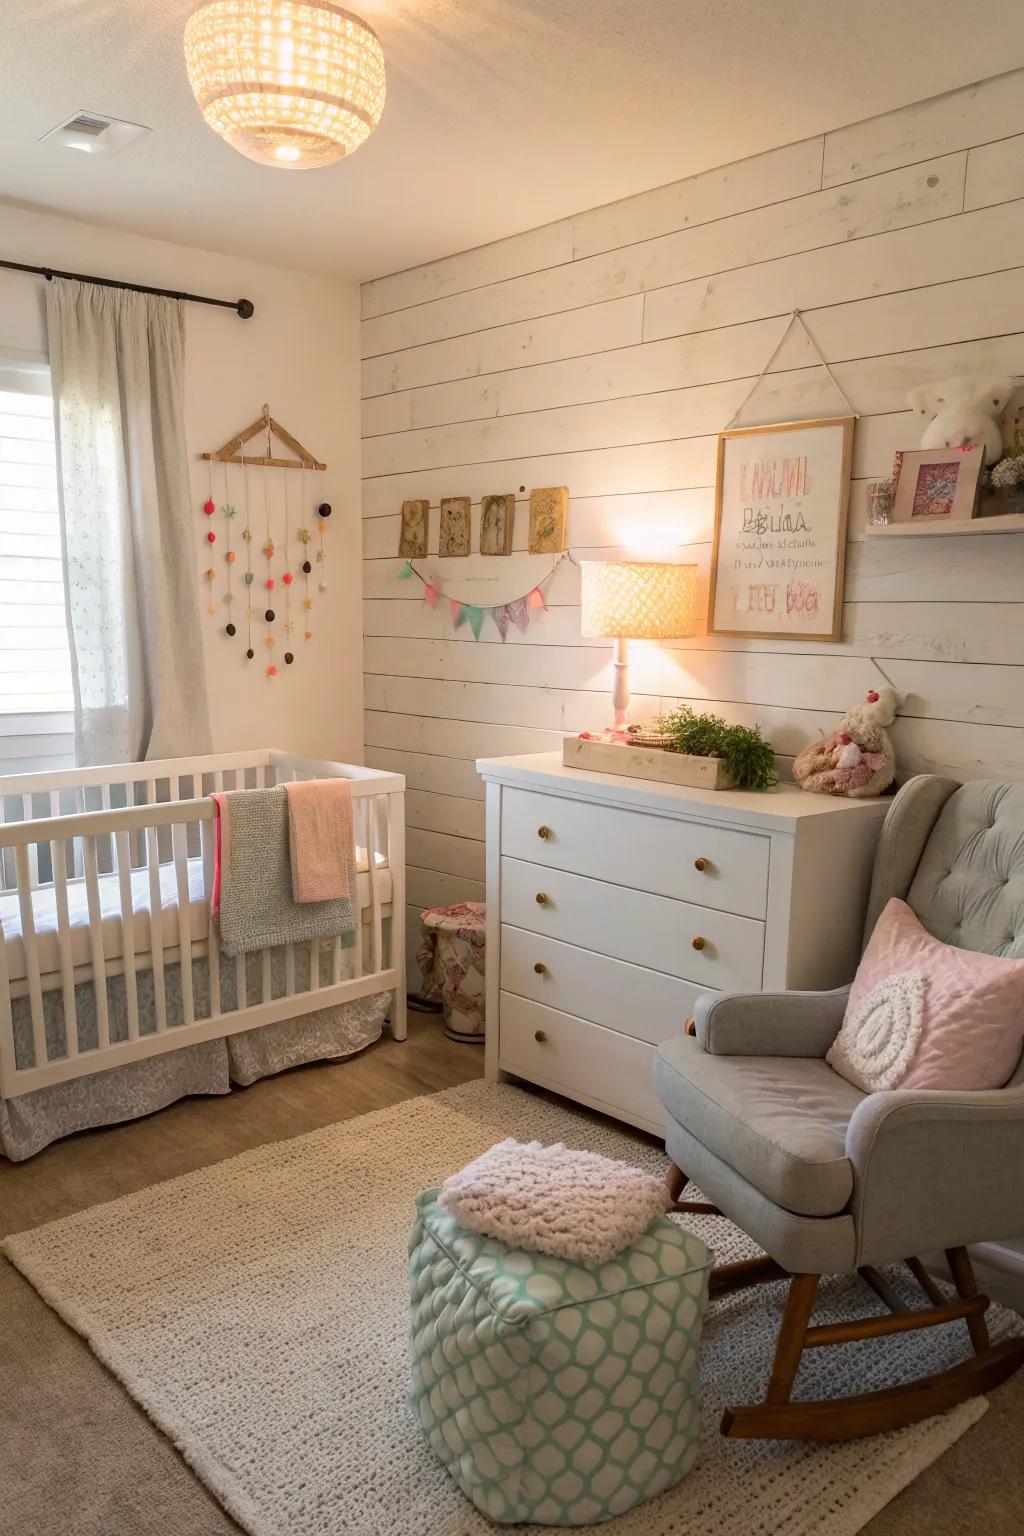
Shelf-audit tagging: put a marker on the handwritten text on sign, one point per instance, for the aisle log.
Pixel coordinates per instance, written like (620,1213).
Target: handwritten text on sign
(779,544)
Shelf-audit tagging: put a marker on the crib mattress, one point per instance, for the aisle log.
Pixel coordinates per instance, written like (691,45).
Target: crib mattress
(44,911)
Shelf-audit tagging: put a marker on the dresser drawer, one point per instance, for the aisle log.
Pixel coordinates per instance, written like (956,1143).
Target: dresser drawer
(688,860)
(712,949)
(645,1004)
(577,1058)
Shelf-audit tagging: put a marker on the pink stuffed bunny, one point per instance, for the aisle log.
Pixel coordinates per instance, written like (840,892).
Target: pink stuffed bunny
(857,760)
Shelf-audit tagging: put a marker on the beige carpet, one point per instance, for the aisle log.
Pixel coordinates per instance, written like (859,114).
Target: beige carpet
(257,1310)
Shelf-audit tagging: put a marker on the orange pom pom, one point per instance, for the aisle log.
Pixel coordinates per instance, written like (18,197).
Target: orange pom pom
(271,671)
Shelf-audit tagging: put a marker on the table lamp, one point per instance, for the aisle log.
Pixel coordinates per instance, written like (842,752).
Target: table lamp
(626,600)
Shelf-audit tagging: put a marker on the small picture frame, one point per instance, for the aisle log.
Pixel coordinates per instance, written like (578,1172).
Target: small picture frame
(454,536)
(412,543)
(549,509)
(497,518)
(937,484)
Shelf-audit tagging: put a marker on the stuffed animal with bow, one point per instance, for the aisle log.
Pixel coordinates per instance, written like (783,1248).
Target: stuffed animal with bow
(857,760)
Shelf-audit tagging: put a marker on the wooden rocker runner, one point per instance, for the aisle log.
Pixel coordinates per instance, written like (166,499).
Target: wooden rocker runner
(827,1179)
(868,1413)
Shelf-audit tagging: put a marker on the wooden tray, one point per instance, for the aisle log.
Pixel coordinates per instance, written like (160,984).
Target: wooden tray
(646,763)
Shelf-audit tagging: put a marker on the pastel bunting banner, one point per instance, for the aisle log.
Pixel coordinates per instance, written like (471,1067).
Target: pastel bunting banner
(517,612)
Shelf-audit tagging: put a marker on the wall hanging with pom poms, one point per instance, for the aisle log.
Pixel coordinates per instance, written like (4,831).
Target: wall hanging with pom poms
(275,531)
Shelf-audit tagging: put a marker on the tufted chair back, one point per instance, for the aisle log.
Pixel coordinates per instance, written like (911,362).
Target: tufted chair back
(955,854)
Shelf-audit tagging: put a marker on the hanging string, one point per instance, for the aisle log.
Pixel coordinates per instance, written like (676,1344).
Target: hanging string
(209,509)
(796,318)
(287,578)
(247,536)
(303,536)
(229,554)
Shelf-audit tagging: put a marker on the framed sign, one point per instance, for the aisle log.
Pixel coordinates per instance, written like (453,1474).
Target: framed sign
(780,530)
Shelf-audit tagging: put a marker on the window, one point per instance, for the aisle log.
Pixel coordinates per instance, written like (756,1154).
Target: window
(36,700)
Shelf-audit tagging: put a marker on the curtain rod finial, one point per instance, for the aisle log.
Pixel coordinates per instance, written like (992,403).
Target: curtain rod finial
(246,309)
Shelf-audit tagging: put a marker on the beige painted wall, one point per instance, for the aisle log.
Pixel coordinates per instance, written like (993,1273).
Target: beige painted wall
(606,352)
(300,353)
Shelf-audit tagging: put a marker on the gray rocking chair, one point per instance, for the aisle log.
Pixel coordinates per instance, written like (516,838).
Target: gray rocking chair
(828,1179)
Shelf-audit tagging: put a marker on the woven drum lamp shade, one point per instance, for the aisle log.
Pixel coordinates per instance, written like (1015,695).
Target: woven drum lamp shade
(290,83)
(627,601)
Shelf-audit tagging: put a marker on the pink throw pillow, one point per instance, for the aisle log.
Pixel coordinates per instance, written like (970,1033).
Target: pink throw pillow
(923,1014)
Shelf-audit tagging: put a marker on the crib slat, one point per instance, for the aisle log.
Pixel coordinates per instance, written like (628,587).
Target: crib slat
(359,830)
(314,965)
(208,833)
(372,844)
(58,856)
(8,1063)
(396,927)
(99,974)
(124,880)
(336,948)
(28,939)
(241,983)
(265,974)
(180,852)
(33,852)
(156,929)
(289,970)
(78,801)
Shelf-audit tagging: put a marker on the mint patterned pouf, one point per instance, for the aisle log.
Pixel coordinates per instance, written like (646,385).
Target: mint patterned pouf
(552,1393)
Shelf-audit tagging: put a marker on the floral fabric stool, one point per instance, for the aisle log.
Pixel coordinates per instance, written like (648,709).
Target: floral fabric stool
(554,1394)
(452,961)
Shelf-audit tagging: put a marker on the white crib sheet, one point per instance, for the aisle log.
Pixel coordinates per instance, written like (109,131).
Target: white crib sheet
(44,911)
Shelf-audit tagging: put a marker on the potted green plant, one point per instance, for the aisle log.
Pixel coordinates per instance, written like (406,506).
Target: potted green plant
(747,760)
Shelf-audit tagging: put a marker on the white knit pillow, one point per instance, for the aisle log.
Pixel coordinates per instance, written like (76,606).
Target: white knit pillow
(576,1205)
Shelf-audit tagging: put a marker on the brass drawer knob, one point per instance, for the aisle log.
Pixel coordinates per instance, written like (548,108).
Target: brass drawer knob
(690,1027)
(540,1036)
(700,865)
(542,898)
(698,942)
(541,968)
(544,832)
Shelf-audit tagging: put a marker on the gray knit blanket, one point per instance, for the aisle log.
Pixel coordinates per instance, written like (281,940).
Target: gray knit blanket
(257,910)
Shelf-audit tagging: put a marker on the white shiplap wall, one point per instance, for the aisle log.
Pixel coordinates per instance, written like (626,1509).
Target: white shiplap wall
(605,352)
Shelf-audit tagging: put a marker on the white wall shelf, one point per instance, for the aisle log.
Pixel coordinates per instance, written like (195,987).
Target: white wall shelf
(1007,522)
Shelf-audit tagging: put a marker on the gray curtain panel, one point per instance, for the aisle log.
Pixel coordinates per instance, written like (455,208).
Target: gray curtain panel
(117,362)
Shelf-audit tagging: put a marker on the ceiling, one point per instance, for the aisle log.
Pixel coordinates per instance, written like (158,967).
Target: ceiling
(501,114)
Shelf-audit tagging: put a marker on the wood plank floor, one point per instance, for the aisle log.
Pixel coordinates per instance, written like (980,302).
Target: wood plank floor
(78,1458)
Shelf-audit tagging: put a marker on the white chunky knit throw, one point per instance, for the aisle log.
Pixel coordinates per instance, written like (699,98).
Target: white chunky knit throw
(575,1205)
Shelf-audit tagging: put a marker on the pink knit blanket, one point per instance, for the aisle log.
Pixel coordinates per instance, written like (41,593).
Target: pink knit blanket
(320,838)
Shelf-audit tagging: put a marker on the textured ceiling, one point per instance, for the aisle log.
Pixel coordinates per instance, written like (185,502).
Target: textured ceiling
(501,115)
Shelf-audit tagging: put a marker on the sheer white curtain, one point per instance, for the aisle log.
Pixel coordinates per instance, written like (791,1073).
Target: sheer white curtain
(117,369)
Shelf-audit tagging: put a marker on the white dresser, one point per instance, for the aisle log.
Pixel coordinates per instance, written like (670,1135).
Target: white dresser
(613,903)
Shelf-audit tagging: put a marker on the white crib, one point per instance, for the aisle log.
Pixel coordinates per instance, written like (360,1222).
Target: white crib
(107,872)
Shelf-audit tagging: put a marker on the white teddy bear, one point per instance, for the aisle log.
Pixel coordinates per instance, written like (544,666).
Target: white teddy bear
(963,410)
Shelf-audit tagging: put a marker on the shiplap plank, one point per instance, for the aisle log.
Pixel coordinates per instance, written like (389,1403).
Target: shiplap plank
(931,325)
(545,339)
(773,177)
(436,776)
(987,570)
(462,856)
(912,196)
(428,888)
(454,738)
(444,813)
(995,172)
(986,240)
(991,109)
(546,686)
(547,246)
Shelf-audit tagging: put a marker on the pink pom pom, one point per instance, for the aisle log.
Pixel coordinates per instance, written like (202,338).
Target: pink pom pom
(209,507)
(287,578)
(271,671)
(309,634)
(269,583)
(211,537)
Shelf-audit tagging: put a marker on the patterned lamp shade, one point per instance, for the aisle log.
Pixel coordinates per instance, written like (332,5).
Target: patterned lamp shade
(290,83)
(627,601)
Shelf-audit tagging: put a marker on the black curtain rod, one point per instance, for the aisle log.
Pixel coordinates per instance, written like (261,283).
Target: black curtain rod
(244,308)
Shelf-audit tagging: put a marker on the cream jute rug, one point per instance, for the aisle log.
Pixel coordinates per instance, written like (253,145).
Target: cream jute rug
(257,1310)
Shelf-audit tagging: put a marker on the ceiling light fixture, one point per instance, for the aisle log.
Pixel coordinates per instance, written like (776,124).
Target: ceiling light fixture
(289,83)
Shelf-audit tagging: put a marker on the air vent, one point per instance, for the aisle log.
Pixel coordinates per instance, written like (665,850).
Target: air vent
(94,134)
